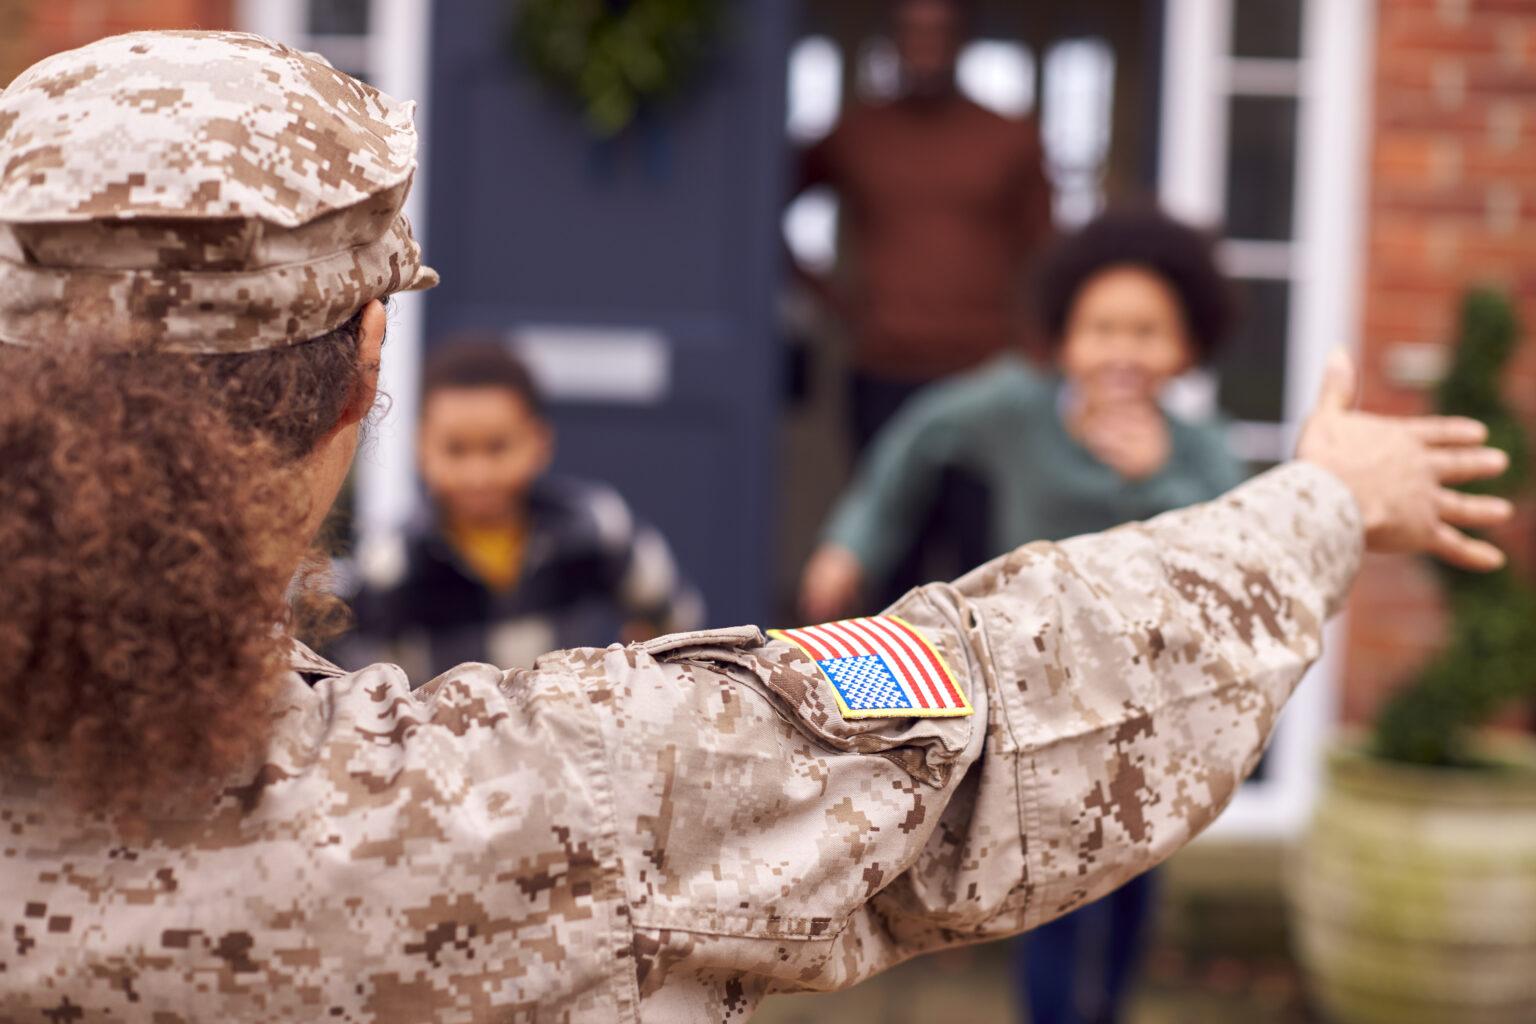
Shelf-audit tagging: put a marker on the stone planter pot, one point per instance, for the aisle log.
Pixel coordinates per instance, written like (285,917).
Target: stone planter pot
(1413,897)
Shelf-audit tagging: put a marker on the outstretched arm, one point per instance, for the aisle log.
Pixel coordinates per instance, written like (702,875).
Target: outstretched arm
(1123,685)
(877,515)
(695,821)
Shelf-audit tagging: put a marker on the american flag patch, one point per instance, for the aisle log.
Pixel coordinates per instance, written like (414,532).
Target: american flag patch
(880,667)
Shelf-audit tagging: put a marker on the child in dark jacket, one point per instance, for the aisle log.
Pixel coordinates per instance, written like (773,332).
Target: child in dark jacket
(510,561)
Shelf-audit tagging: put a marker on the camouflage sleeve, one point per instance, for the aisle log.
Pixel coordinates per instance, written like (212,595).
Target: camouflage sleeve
(1135,678)
(670,830)
(1123,685)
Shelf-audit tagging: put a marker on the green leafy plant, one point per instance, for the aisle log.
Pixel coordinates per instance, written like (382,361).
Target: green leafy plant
(614,57)
(1490,659)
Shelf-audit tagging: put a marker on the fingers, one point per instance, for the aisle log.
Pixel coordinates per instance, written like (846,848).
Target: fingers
(1338,391)
(1478,511)
(1446,430)
(1456,548)
(1474,511)
(1463,465)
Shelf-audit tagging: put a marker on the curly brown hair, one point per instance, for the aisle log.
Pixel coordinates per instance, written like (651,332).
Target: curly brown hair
(1182,256)
(145,521)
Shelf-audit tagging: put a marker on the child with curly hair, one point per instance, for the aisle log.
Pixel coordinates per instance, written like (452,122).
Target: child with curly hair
(1130,301)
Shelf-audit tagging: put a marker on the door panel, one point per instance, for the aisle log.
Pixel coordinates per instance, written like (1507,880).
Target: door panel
(671,229)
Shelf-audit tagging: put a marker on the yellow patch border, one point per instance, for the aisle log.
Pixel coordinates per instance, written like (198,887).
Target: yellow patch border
(962,711)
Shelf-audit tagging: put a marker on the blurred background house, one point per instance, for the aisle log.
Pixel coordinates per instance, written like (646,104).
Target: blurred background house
(1363,160)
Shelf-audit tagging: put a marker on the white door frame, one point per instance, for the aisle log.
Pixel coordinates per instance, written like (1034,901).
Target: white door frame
(398,62)
(1323,263)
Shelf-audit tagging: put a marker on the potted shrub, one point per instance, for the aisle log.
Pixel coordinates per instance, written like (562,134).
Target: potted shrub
(1414,895)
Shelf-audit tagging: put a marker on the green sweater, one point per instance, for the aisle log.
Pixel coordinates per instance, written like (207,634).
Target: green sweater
(1002,424)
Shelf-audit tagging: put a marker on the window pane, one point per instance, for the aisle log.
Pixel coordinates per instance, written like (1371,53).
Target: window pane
(877,71)
(1261,167)
(1076,121)
(338,17)
(998,74)
(810,229)
(815,88)
(1252,368)
(1267,28)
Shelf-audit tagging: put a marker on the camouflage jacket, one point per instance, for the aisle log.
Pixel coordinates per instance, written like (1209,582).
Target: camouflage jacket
(667,832)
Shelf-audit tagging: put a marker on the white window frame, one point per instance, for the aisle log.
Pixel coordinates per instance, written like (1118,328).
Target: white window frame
(1323,262)
(398,48)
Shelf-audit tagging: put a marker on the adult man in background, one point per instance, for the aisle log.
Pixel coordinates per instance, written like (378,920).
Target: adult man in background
(943,204)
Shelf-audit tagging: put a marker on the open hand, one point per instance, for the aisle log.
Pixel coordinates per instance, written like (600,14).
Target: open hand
(1398,469)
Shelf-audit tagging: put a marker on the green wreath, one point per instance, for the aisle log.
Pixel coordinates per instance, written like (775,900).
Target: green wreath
(614,56)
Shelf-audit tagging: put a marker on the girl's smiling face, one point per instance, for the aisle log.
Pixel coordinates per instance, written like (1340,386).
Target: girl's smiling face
(1125,338)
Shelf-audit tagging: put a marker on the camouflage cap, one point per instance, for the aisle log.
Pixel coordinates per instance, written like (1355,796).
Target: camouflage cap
(198,192)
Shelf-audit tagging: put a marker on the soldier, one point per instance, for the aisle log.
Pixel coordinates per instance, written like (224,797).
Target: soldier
(203,820)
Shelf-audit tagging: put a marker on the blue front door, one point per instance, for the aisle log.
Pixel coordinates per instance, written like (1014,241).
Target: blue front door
(639,274)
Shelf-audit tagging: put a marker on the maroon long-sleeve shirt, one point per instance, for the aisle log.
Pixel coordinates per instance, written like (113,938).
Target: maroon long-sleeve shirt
(944,203)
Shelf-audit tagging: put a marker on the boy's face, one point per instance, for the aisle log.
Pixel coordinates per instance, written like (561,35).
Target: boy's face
(481,448)
(1125,338)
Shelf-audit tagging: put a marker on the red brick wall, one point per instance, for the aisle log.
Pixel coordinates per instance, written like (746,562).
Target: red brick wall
(32,29)
(1452,203)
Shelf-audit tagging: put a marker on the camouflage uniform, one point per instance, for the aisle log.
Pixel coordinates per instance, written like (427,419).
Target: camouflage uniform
(669,831)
